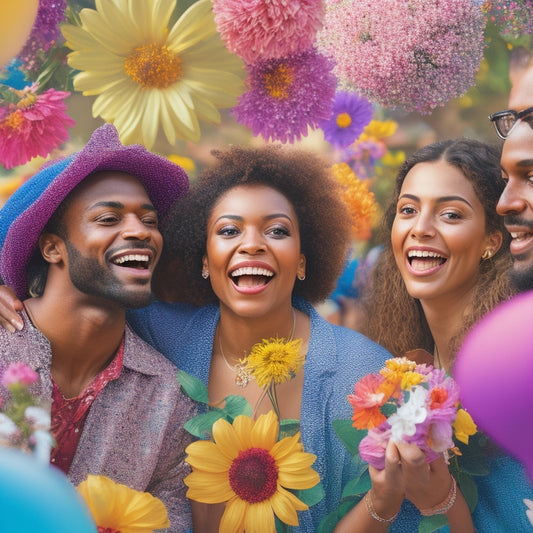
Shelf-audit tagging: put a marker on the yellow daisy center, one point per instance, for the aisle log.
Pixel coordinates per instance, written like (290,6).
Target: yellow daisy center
(14,120)
(278,82)
(253,475)
(343,120)
(153,66)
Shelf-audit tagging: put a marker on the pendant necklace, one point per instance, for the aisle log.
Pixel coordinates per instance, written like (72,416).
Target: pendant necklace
(242,374)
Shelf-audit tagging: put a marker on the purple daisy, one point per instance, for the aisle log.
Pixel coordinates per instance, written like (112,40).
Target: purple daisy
(287,96)
(351,113)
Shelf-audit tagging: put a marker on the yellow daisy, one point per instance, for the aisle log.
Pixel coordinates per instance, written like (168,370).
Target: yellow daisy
(118,509)
(274,360)
(249,469)
(149,76)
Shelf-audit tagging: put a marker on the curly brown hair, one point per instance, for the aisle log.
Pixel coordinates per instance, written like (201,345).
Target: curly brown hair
(302,177)
(396,320)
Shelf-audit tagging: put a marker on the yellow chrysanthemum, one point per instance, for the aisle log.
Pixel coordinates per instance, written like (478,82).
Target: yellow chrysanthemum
(410,379)
(118,509)
(274,360)
(379,129)
(360,200)
(148,76)
(249,469)
(464,427)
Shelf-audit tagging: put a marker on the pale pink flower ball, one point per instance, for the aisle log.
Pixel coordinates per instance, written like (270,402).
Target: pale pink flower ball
(19,373)
(255,29)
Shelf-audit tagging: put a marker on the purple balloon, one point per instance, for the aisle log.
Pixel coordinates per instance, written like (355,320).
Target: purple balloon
(494,370)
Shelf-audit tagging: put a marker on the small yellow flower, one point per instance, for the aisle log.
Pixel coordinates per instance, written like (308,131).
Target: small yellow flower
(410,379)
(250,470)
(118,509)
(464,426)
(274,360)
(379,129)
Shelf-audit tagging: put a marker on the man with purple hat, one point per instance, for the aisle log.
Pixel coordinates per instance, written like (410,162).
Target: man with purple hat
(80,242)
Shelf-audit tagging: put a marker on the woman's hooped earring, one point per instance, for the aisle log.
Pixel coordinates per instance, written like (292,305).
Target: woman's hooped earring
(301,277)
(487,254)
(205,273)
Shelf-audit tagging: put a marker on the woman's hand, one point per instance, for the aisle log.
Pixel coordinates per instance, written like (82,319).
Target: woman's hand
(10,305)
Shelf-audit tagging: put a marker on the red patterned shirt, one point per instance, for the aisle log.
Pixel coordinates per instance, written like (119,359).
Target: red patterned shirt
(69,414)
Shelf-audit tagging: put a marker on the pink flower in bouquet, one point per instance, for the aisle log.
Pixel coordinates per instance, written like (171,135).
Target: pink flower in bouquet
(372,447)
(19,373)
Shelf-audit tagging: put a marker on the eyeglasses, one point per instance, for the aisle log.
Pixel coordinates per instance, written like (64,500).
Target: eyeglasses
(505,121)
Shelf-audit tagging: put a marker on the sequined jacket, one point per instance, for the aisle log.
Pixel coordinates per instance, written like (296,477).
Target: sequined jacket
(134,430)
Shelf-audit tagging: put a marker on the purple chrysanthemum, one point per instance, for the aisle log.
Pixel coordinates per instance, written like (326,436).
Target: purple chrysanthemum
(420,58)
(351,113)
(287,96)
(255,29)
(45,31)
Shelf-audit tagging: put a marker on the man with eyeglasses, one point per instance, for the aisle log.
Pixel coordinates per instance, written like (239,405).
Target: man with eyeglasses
(515,126)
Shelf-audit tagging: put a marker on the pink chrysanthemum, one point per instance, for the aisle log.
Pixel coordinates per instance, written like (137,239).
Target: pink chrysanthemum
(255,29)
(287,96)
(372,447)
(420,58)
(351,113)
(34,126)
(45,31)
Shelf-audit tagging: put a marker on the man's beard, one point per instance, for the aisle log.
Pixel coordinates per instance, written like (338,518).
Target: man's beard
(522,279)
(90,277)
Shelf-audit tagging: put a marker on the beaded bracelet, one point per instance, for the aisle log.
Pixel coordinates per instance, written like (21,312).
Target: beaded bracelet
(446,505)
(372,511)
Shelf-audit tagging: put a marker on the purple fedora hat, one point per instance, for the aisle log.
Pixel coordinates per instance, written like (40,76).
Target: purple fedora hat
(29,208)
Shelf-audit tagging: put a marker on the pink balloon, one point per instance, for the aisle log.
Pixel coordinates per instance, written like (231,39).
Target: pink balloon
(494,370)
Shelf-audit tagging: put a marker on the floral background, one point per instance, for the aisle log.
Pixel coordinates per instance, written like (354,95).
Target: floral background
(342,77)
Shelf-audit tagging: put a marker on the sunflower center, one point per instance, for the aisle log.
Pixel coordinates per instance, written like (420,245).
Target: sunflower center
(343,120)
(253,475)
(278,82)
(153,66)
(101,529)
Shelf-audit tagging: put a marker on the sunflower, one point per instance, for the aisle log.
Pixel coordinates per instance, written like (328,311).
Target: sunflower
(118,509)
(147,75)
(249,469)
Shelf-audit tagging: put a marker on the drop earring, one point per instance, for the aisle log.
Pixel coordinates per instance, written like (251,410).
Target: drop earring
(205,273)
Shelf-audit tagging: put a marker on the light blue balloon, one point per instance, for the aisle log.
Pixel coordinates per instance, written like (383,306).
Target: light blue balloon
(38,498)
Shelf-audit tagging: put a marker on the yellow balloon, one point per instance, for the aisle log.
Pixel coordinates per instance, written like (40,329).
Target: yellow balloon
(16,20)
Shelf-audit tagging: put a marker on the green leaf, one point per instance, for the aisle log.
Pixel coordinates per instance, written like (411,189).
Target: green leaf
(358,485)
(288,427)
(428,524)
(388,409)
(468,488)
(349,436)
(310,496)
(193,387)
(236,405)
(281,527)
(201,425)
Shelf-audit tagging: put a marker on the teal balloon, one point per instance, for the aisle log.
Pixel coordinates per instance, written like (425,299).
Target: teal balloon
(38,498)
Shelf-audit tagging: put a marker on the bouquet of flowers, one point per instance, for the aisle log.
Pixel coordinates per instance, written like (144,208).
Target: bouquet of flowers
(24,421)
(257,468)
(417,404)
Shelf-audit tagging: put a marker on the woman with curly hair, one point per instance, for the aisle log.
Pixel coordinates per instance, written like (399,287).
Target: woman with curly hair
(443,267)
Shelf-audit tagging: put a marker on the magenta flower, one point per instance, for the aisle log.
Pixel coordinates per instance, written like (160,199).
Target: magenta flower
(418,59)
(287,96)
(372,446)
(19,373)
(255,29)
(351,113)
(34,126)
